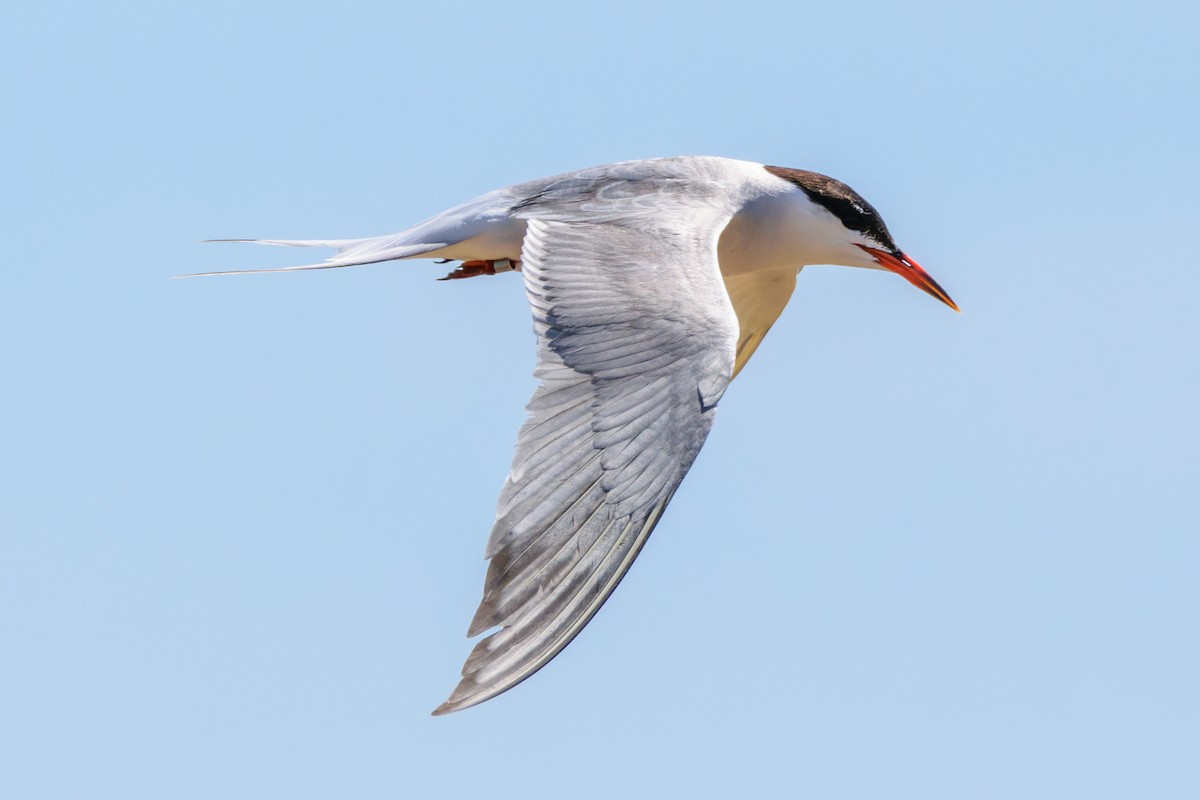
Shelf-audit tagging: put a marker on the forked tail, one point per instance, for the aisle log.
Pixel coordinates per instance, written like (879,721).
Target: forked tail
(351,252)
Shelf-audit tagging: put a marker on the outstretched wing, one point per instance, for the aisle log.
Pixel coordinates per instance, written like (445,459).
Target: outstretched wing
(636,343)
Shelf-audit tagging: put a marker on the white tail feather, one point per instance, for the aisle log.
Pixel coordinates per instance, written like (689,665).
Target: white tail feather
(340,244)
(359,251)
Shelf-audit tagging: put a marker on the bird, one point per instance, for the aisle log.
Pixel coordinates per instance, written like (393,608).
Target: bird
(651,284)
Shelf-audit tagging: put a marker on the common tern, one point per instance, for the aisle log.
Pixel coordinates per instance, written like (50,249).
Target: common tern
(651,284)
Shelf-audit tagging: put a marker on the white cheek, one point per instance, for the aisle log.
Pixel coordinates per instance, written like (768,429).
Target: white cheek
(861,258)
(829,242)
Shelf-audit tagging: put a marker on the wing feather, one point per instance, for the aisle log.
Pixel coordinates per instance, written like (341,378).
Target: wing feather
(636,343)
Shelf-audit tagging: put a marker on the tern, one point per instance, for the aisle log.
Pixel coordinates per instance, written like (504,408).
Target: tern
(651,284)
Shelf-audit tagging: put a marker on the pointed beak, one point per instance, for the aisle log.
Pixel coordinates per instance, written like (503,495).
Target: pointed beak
(912,272)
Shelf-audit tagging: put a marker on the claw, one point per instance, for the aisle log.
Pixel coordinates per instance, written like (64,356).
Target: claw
(469,269)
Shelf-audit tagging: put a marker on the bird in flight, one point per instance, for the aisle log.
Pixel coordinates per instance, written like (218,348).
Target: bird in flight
(651,284)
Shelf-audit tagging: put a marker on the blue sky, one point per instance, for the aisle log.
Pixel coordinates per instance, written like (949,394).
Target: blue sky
(922,555)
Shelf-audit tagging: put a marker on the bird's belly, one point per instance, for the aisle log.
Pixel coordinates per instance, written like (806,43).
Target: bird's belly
(487,240)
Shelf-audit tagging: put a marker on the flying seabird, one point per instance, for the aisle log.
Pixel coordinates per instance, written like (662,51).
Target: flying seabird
(651,284)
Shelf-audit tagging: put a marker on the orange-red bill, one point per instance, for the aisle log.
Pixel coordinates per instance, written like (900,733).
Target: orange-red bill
(912,272)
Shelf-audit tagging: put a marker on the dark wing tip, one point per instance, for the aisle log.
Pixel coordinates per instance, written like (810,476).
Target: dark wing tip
(468,693)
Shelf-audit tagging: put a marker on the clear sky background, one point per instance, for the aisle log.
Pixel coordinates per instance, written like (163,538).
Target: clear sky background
(923,555)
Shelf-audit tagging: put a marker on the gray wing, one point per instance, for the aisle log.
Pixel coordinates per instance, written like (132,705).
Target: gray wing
(636,342)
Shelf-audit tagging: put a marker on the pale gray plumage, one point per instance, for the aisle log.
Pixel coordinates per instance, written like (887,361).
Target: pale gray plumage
(629,385)
(651,284)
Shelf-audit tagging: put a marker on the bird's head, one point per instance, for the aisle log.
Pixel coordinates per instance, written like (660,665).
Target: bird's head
(849,231)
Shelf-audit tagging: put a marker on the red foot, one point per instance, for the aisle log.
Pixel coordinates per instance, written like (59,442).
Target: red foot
(469,269)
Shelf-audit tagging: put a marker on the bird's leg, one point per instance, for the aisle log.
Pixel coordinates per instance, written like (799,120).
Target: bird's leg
(469,269)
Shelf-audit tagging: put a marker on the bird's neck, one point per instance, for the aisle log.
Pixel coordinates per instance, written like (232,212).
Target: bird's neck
(770,232)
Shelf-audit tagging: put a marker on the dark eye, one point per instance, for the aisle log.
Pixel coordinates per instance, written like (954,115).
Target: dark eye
(858,215)
(854,215)
(840,200)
